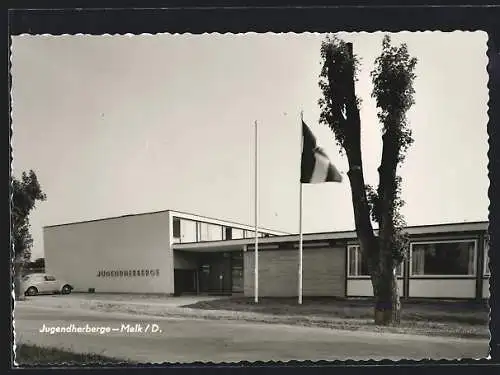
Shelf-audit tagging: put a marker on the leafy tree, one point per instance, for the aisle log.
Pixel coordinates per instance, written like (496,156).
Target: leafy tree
(25,192)
(393,91)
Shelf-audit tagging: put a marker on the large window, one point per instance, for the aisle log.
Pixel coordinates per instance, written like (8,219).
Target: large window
(183,230)
(210,232)
(251,234)
(237,234)
(358,265)
(444,258)
(188,231)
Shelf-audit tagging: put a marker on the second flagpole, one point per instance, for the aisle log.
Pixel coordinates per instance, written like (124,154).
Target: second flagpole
(256,265)
(300,216)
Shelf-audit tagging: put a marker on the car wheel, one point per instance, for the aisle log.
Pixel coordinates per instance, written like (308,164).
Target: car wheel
(66,289)
(32,291)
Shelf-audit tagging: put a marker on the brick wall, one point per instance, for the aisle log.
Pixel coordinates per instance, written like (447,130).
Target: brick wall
(323,272)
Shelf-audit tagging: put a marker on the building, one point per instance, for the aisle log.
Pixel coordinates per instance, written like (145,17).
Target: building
(173,252)
(135,253)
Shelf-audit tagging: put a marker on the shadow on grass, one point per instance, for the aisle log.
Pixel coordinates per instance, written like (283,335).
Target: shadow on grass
(32,355)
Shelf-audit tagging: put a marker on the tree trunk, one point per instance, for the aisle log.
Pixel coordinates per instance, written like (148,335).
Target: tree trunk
(387,306)
(387,303)
(364,229)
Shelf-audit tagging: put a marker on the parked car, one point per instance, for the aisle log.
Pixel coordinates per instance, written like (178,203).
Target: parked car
(42,283)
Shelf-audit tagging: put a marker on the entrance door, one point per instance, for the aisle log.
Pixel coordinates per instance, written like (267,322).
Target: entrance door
(215,274)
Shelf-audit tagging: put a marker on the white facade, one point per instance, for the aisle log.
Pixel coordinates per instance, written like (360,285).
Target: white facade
(443,288)
(132,254)
(363,287)
(79,253)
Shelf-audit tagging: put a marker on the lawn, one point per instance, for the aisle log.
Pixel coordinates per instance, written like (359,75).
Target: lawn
(448,311)
(32,355)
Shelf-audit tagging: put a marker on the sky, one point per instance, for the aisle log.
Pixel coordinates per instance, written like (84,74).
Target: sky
(117,125)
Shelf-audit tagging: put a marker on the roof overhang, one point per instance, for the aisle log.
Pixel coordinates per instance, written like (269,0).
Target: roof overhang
(332,237)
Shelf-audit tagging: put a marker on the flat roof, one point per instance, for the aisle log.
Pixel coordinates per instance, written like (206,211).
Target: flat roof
(159,212)
(223,221)
(477,226)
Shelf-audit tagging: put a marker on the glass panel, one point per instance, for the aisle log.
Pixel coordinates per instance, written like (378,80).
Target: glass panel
(417,260)
(210,232)
(444,258)
(237,234)
(362,264)
(188,231)
(362,269)
(228,235)
(214,232)
(176,224)
(352,261)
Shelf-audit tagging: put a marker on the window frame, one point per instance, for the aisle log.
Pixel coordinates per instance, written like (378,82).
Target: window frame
(182,225)
(235,230)
(208,226)
(426,276)
(356,263)
(227,230)
(175,220)
(250,233)
(358,250)
(486,248)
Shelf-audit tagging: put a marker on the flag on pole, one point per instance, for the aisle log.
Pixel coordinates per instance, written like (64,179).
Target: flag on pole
(316,167)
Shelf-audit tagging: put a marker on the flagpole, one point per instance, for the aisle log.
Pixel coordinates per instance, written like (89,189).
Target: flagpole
(300,219)
(256,191)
